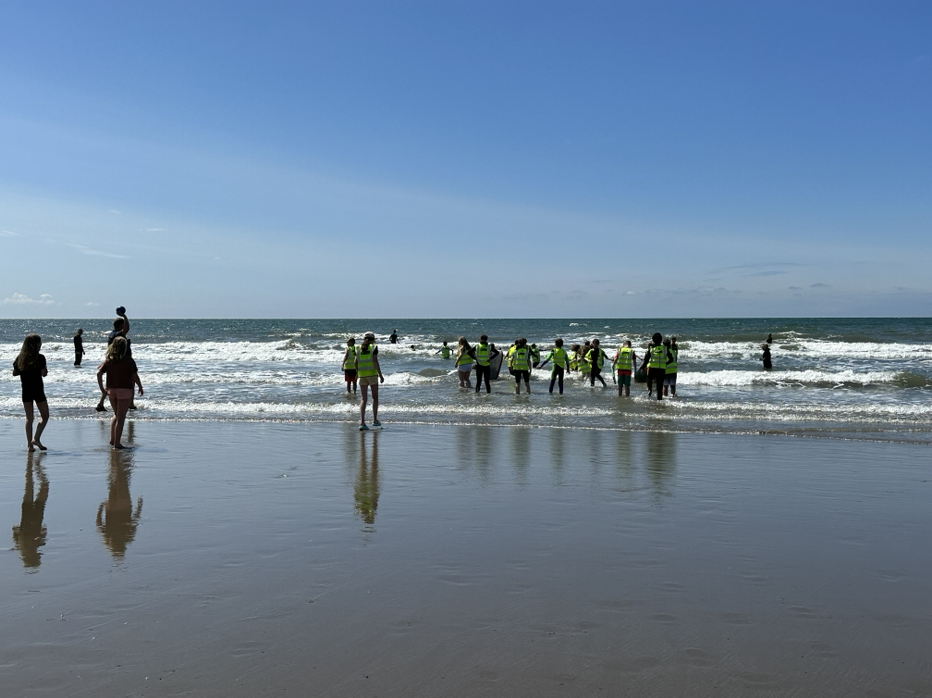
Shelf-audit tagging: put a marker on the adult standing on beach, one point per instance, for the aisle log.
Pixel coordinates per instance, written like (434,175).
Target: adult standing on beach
(120,329)
(484,355)
(78,346)
(31,368)
(370,375)
(121,376)
(655,360)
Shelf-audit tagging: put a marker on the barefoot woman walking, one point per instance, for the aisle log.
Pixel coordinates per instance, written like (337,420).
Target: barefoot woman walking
(30,366)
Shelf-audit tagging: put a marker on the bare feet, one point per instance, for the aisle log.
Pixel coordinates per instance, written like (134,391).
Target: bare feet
(120,447)
(31,449)
(36,442)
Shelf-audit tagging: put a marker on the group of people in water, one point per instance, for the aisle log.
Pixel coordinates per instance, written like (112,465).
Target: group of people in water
(118,366)
(658,367)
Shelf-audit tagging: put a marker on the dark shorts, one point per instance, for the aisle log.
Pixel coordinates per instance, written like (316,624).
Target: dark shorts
(669,379)
(33,394)
(349,376)
(521,375)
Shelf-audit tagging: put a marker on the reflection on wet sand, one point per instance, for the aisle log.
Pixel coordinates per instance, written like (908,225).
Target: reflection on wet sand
(30,535)
(520,453)
(661,460)
(366,486)
(117,520)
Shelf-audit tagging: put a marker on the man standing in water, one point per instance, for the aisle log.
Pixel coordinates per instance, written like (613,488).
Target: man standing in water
(393,337)
(370,375)
(78,346)
(596,358)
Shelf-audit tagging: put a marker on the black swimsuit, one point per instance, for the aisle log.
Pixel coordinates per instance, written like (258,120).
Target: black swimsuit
(31,378)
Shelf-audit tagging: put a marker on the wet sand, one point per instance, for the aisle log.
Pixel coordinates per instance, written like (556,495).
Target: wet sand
(250,559)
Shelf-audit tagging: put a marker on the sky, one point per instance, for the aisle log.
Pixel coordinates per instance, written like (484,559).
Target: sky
(465,159)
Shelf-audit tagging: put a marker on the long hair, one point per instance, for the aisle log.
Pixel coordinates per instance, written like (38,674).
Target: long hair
(29,355)
(117,349)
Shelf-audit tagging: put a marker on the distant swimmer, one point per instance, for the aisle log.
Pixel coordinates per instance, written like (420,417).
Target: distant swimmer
(625,360)
(31,368)
(78,346)
(122,374)
(669,379)
(349,366)
(370,375)
(463,362)
(769,338)
(655,361)
(393,337)
(596,359)
(444,351)
(520,365)
(561,363)
(765,356)
(484,354)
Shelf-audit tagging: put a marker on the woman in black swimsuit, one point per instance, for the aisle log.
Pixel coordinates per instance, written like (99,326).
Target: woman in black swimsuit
(30,366)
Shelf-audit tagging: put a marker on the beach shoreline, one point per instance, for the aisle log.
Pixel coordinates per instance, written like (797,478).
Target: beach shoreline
(245,558)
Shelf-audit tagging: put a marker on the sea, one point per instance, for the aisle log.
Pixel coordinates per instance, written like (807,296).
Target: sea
(852,378)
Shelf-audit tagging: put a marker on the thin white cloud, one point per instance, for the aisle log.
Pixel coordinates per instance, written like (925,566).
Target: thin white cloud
(152,230)
(115,212)
(92,304)
(96,253)
(8,234)
(23,299)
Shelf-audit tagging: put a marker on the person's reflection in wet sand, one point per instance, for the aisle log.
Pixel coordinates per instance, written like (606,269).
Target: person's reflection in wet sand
(661,460)
(624,459)
(484,452)
(117,520)
(557,455)
(29,536)
(520,453)
(366,487)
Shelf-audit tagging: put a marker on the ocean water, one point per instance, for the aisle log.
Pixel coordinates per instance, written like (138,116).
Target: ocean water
(851,378)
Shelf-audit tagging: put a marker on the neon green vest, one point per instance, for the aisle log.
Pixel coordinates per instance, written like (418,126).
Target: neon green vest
(671,364)
(658,356)
(463,359)
(482,354)
(349,361)
(598,357)
(365,361)
(519,359)
(559,357)
(445,351)
(623,360)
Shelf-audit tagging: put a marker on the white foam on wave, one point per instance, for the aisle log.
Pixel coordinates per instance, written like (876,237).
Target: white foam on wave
(760,378)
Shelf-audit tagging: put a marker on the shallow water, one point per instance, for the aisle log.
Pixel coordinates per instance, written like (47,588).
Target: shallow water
(869,378)
(267,559)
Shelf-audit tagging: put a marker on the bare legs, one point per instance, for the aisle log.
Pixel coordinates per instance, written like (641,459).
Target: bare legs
(365,401)
(35,441)
(120,408)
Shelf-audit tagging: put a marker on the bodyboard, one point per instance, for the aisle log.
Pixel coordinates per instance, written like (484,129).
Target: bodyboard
(640,375)
(495,366)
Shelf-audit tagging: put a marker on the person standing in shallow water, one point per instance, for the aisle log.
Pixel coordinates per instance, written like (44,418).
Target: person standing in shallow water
(78,346)
(121,376)
(625,359)
(370,375)
(120,329)
(349,365)
(31,368)
(484,354)
(561,364)
(655,362)
(765,356)
(596,358)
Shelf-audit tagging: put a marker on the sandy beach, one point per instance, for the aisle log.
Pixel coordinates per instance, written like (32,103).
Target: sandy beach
(247,559)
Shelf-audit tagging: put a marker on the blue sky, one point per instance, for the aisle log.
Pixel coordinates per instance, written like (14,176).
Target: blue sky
(465,159)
